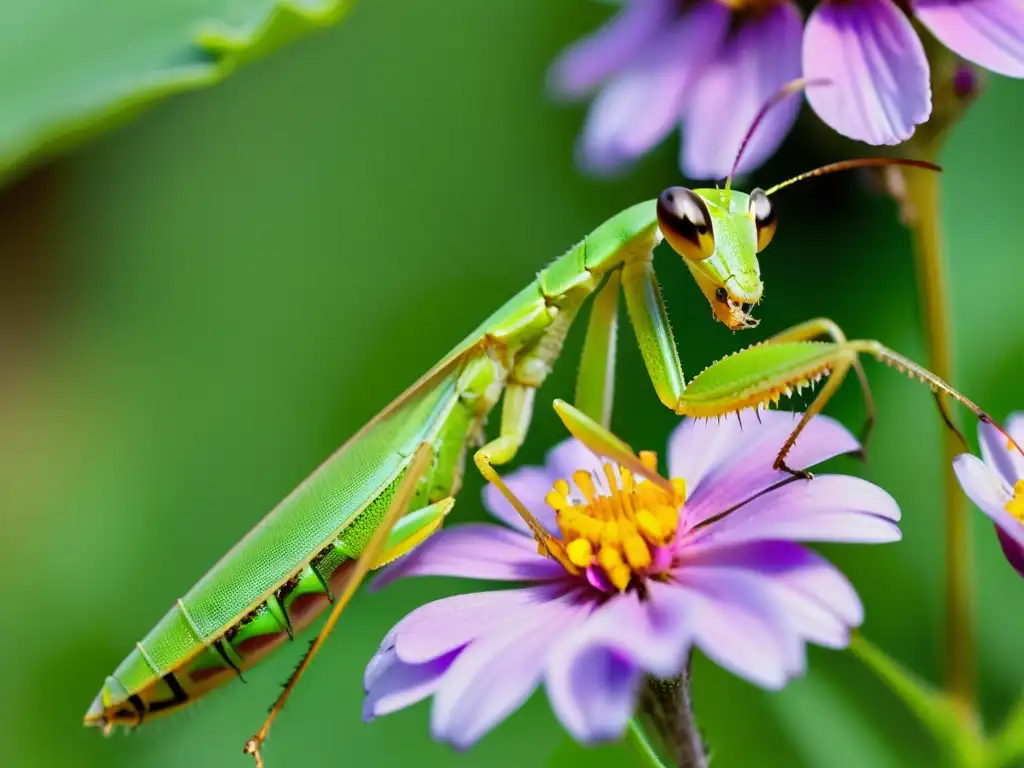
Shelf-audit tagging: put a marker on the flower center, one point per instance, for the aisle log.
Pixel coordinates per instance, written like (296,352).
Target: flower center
(622,530)
(1015,506)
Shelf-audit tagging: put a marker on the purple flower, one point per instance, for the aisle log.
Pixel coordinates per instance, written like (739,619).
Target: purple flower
(995,483)
(638,576)
(710,65)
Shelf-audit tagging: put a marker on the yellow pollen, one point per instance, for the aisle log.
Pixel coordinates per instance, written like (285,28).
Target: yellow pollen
(1015,506)
(617,527)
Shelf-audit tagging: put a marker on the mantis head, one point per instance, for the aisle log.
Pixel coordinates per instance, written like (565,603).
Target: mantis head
(719,234)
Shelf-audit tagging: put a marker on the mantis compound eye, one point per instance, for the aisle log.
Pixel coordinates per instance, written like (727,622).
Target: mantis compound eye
(763,214)
(685,222)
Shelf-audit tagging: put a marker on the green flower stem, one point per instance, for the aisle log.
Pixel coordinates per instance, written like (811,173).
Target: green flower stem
(922,192)
(667,712)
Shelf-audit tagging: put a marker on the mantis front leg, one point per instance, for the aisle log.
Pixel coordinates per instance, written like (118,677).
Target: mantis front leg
(822,326)
(759,376)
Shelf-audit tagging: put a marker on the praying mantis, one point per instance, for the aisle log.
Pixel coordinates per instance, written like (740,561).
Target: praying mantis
(391,485)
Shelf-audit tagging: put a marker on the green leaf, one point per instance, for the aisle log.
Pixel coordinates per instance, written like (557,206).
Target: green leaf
(73,68)
(1007,747)
(932,708)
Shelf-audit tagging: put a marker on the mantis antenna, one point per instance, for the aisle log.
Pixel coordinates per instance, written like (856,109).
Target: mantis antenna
(787,90)
(845,165)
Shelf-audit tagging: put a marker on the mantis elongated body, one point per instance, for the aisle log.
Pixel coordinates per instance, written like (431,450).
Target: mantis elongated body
(407,463)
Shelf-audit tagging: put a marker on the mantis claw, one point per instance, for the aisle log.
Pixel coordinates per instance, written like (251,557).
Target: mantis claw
(802,474)
(252,747)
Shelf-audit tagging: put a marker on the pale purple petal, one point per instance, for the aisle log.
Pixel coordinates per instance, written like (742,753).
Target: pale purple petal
(402,685)
(653,632)
(595,696)
(640,105)
(988,489)
(870,52)
(827,508)
(474,551)
(495,674)
(445,625)
(593,674)
(793,565)
(754,63)
(382,661)
(737,624)
(989,492)
(800,618)
(1015,427)
(725,463)
(985,486)
(530,485)
(987,32)
(998,454)
(582,66)
(812,594)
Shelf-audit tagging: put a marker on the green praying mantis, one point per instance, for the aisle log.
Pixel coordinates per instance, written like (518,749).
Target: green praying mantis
(391,485)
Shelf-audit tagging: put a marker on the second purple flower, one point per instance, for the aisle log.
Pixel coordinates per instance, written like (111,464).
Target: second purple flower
(709,65)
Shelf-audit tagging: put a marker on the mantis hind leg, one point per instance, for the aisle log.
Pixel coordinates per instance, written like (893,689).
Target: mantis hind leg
(375,552)
(822,326)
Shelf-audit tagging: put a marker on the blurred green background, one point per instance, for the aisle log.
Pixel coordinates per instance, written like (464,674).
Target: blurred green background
(198,308)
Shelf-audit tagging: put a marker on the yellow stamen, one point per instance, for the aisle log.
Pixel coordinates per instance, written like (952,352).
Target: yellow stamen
(649,525)
(556,500)
(616,528)
(637,553)
(620,577)
(608,557)
(580,552)
(1015,506)
(649,459)
(585,483)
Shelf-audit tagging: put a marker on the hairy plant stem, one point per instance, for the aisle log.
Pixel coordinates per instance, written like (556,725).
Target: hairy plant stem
(666,710)
(922,193)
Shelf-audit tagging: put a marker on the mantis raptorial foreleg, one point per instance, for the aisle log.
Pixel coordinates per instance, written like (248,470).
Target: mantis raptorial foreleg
(595,383)
(370,556)
(649,318)
(758,376)
(603,442)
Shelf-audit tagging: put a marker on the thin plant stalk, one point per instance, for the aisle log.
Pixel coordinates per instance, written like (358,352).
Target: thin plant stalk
(667,712)
(922,192)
